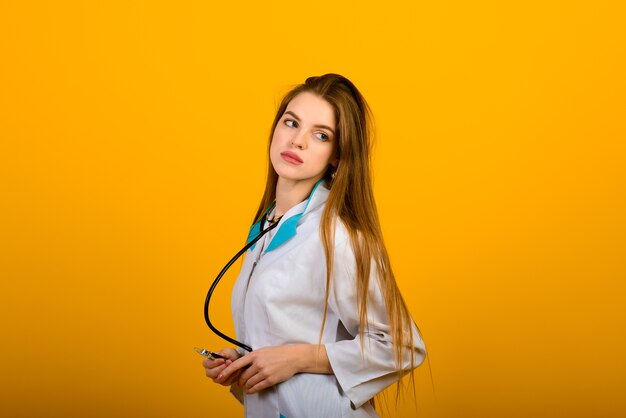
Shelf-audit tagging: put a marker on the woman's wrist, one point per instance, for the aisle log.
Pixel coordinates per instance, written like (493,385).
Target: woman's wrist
(312,358)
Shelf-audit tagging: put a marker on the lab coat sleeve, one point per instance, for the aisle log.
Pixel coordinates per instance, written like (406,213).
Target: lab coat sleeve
(362,373)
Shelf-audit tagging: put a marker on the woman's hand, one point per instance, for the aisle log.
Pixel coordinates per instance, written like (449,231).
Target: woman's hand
(215,367)
(269,366)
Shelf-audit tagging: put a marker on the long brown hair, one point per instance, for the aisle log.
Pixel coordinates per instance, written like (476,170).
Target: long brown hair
(351,198)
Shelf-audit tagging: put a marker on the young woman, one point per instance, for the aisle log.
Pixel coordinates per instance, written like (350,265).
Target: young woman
(316,298)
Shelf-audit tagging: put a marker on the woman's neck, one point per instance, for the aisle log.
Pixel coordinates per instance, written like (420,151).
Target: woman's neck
(289,194)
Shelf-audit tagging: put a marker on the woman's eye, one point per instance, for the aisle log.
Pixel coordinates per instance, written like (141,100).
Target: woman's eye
(322,136)
(291,123)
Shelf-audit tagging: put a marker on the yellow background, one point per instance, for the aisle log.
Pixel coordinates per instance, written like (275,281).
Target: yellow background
(132,153)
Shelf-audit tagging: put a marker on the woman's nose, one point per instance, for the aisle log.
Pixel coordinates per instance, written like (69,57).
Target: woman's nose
(299,139)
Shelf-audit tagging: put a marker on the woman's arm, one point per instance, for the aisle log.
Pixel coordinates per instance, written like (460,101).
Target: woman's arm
(364,367)
(269,366)
(314,359)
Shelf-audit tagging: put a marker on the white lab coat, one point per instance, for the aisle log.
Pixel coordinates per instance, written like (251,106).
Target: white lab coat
(279,299)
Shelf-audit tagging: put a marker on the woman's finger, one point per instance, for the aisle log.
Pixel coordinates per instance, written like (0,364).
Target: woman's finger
(252,381)
(215,371)
(247,374)
(263,384)
(236,365)
(232,379)
(212,364)
(209,364)
(229,353)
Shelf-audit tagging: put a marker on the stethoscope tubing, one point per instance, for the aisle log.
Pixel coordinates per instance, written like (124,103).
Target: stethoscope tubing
(216,281)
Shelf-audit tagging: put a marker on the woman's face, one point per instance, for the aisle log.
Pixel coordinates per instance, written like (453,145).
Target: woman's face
(304,141)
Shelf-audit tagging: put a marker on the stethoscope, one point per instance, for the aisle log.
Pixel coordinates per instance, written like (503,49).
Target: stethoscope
(273,224)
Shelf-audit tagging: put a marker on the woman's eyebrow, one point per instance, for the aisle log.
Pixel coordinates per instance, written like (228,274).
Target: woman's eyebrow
(293,114)
(316,126)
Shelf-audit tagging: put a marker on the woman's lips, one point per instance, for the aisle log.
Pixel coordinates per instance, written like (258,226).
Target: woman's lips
(291,157)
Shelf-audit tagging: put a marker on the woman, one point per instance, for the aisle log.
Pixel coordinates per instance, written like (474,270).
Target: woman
(316,298)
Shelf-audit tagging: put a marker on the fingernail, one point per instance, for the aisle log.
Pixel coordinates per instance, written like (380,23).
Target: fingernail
(219,376)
